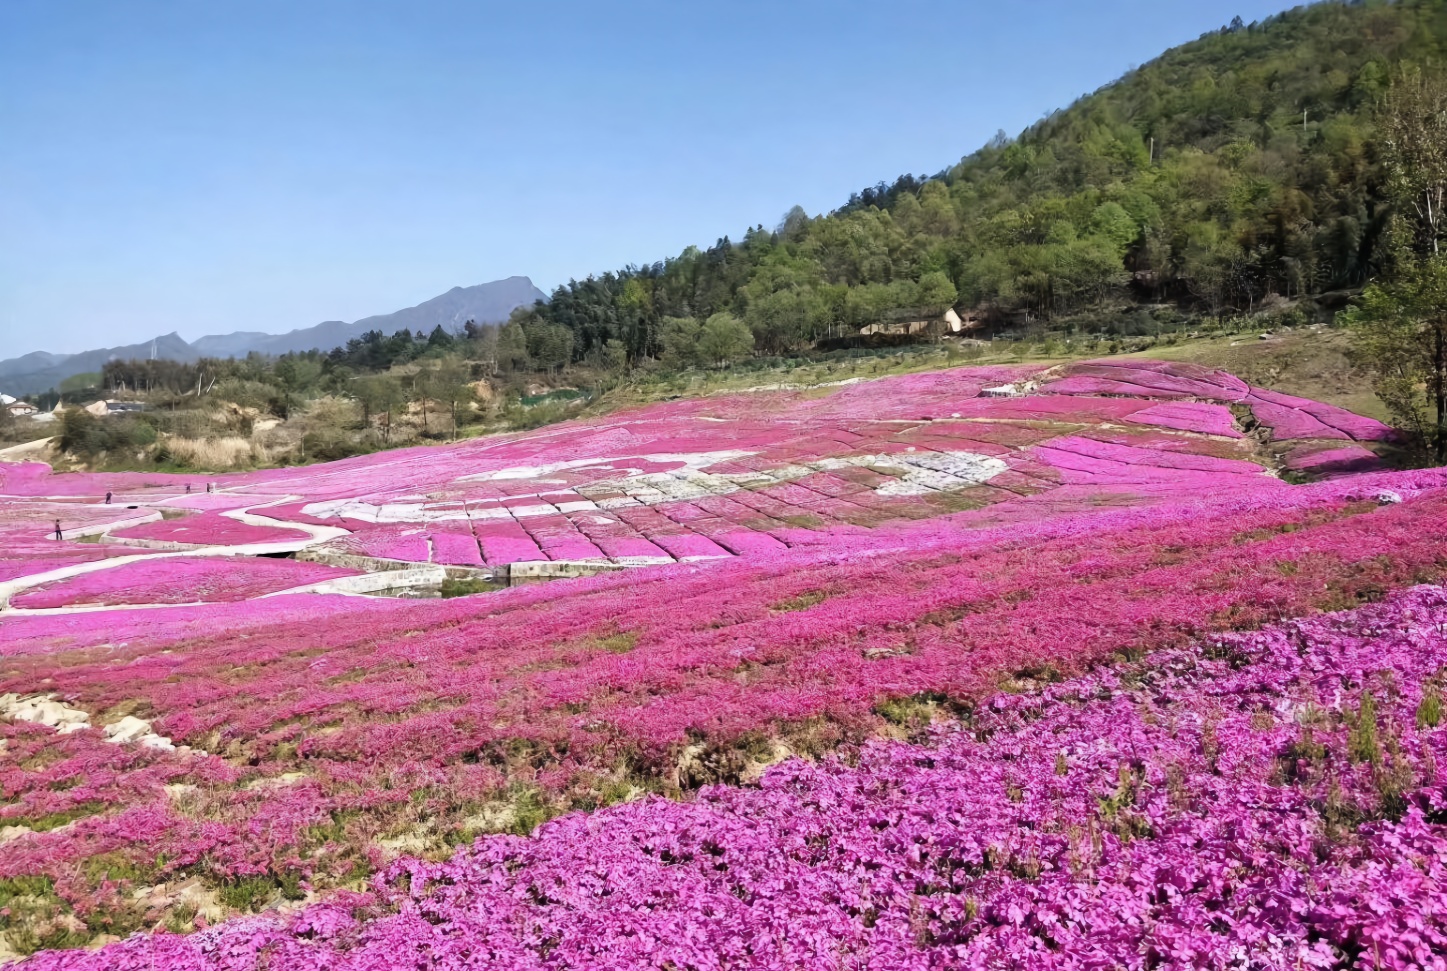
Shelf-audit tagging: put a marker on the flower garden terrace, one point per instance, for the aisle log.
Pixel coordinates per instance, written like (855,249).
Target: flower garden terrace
(739,475)
(853,588)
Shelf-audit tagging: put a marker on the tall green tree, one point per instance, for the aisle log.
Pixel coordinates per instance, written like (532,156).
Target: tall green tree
(1400,331)
(724,339)
(448,384)
(937,293)
(379,395)
(679,337)
(1413,127)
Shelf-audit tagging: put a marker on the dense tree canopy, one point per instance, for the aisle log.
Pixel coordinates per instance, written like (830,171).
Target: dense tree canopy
(1238,166)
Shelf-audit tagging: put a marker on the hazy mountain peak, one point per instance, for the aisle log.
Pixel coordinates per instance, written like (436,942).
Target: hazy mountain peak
(484,303)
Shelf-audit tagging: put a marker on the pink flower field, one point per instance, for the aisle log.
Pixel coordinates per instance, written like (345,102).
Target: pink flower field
(755,474)
(207,529)
(1277,794)
(179,580)
(1134,667)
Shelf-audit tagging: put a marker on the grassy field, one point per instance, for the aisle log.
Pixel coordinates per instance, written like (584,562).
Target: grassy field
(1309,362)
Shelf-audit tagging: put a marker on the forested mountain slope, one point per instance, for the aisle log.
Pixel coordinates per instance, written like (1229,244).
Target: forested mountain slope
(1235,167)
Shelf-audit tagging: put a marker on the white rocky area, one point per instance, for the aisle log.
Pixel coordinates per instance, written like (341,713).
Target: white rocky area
(46,710)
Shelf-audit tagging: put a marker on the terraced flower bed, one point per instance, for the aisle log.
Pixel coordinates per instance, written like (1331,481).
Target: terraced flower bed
(179,580)
(760,473)
(208,529)
(811,574)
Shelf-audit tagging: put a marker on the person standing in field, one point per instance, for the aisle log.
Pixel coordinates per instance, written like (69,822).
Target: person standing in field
(58,534)
(108,498)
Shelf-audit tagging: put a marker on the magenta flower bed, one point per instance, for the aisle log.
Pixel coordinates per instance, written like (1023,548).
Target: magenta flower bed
(1142,378)
(1351,425)
(553,687)
(850,565)
(1288,423)
(505,541)
(688,545)
(624,547)
(560,539)
(179,580)
(557,483)
(743,543)
(29,563)
(388,541)
(1288,416)
(1328,460)
(1221,801)
(455,549)
(209,529)
(1191,416)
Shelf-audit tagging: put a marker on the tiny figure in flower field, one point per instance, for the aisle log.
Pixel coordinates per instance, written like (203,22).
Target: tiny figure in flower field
(188,488)
(58,534)
(108,498)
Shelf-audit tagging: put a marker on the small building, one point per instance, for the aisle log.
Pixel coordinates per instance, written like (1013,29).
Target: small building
(20,409)
(947,323)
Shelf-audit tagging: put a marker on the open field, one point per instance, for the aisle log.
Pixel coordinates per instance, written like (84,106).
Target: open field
(899,606)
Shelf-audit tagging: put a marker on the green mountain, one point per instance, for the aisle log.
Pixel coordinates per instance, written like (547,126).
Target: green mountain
(1231,169)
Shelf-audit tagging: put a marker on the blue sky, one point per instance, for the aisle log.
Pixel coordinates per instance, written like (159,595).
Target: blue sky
(228,165)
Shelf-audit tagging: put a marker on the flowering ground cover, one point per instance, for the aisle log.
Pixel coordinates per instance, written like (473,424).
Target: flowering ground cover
(814,571)
(1274,799)
(325,740)
(207,529)
(179,580)
(1287,416)
(743,474)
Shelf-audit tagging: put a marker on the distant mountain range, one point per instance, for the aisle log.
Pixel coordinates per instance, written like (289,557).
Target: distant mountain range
(486,303)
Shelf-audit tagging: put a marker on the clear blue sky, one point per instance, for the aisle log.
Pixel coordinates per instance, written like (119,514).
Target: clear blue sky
(207,166)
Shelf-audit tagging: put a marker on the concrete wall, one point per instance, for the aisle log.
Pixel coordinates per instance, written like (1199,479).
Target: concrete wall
(377,564)
(538,571)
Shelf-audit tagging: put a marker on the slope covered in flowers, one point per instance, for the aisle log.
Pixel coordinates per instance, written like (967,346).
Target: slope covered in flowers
(755,474)
(1266,800)
(812,571)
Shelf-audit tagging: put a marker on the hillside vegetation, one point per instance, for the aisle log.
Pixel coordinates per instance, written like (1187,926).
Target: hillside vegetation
(1233,170)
